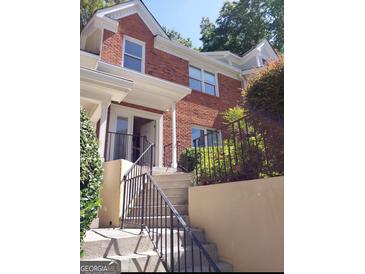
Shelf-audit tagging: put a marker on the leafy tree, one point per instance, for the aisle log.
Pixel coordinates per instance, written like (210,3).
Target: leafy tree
(88,7)
(242,24)
(91,174)
(174,35)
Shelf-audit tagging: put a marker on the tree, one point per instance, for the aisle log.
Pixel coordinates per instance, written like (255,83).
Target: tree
(91,174)
(242,24)
(88,7)
(174,35)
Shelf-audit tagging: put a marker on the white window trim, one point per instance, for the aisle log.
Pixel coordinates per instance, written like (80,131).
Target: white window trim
(205,134)
(202,80)
(139,42)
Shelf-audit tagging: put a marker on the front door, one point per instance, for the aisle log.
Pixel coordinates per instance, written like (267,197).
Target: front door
(148,130)
(121,139)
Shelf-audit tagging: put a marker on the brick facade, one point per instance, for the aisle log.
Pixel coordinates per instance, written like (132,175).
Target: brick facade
(195,109)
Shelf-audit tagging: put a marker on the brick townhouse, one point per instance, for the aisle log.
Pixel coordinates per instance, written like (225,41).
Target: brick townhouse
(135,81)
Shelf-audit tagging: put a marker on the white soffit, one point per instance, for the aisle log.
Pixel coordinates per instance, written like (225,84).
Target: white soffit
(148,91)
(102,86)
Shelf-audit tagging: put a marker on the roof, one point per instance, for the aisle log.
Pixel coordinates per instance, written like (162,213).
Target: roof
(108,18)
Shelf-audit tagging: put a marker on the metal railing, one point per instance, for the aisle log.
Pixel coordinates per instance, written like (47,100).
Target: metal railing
(124,146)
(183,160)
(239,153)
(147,207)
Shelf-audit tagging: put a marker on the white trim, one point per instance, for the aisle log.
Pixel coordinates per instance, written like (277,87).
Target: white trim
(202,80)
(103,128)
(131,7)
(138,42)
(174,143)
(195,57)
(129,112)
(205,133)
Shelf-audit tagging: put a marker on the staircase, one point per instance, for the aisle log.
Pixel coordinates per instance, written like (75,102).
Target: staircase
(137,253)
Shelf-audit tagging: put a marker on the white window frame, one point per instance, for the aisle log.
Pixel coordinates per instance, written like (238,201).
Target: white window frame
(205,134)
(202,80)
(139,42)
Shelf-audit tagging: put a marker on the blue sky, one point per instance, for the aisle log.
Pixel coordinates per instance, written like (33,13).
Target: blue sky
(184,16)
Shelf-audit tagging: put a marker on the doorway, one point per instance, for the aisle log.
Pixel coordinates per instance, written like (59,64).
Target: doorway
(126,125)
(142,129)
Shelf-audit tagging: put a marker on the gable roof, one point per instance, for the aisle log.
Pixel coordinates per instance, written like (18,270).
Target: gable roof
(109,17)
(240,60)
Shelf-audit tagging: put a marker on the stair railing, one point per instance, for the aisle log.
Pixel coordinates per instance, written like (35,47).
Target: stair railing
(184,162)
(146,206)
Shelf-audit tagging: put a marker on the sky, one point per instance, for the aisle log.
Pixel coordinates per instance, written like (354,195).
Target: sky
(184,16)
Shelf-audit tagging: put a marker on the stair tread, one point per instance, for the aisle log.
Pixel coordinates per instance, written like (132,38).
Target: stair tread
(221,265)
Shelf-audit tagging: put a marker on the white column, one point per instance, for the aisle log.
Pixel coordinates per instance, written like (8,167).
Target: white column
(174,147)
(103,129)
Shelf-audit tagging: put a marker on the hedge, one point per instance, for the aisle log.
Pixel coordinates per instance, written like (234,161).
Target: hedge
(91,174)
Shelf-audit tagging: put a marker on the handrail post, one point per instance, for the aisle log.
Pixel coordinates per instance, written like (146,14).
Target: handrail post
(196,162)
(172,240)
(124,190)
(151,164)
(143,198)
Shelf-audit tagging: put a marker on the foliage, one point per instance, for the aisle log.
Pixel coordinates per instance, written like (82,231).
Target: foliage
(91,174)
(233,114)
(264,95)
(88,7)
(242,24)
(264,105)
(174,35)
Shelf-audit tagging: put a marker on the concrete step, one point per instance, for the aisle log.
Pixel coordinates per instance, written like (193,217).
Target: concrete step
(148,261)
(179,176)
(163,236)
(192,255)
(164,184)
(164,170)
(175,200)
(114,241)
(182,209)
(156,221)
(169,190)
(223,267)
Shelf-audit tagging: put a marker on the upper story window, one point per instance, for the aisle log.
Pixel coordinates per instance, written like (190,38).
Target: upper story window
(133,54)
(202,80)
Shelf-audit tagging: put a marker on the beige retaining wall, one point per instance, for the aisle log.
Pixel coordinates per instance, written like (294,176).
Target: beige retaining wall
(111,193)
(246,221)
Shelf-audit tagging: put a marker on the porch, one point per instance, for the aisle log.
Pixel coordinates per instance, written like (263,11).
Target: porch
(126,107)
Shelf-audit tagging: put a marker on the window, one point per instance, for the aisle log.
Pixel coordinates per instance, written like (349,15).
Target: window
(133,54)
(203,136)
(202,80)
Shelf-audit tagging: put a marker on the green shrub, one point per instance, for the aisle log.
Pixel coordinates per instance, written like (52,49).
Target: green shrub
(264,95)
(91,174)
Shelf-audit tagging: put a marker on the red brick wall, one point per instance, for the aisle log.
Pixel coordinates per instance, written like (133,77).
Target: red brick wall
(195,109)
(204,110)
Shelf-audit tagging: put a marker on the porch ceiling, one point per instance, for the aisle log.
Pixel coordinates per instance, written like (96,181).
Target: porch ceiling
(148,91)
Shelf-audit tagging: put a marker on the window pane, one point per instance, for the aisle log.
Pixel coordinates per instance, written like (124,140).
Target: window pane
(195,73)
(132,63)
(133,48)
(213,137)
(198,133)
(195,84)
(209,77)
(209,89)
(122,125)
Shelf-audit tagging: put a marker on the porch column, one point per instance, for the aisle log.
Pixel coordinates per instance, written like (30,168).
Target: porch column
(174,159)
(103,129)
